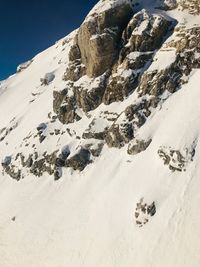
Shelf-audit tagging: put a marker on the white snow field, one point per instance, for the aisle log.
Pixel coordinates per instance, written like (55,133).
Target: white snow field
(86,219)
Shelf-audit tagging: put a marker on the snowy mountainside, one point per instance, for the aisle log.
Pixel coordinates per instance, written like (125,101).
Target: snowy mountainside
(99,143)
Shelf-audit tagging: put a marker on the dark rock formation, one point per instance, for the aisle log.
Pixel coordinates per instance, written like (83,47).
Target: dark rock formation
(79,161)
(65,107)
(89,100)
(119,135)
(144,212)
(138,146)
(176,160)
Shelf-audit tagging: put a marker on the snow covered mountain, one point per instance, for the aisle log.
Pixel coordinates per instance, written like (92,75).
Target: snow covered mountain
(100,143)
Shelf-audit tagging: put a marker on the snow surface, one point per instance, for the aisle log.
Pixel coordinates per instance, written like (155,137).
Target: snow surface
(87,219)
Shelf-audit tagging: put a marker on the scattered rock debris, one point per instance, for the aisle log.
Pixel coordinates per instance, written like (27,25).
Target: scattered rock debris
(144,212)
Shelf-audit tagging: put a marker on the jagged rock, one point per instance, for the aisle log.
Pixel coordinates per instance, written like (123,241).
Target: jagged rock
(65,107)
(74,71)
(119,135)
(79,161)
(138,146)
(94,135)
(135,60)
(137,50)
(13,173)
(175,159)
(67,112)
(154,28)
(151,209)
(58,97)
(120,86)
(89,100)
(98,38)
(96,129)
(94,149)
(74,53)
(44,164)
(156,82)
(169,79)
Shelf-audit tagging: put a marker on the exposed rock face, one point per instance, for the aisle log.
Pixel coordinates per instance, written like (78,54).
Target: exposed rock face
(119,135)
(156,82)
(145,32)
(98,38)
(141,37)
(134,116)
(138,146)
(95,150)
(79,161)
(13,172)
(75,71)
(90,98)
(175,159)
(65,107)
(74,53)
(120,86)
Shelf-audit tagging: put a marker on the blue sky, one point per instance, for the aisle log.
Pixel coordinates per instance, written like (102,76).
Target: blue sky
(27,27)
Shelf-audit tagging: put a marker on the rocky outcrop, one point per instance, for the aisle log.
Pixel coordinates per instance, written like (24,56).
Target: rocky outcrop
(134,116)
(144,212)
(95,149)
(120,86)
(138,146)
(145,32)
(99,38)
(119,134)
(176,160)
(79,161)
(74,71)
(143,35)
(90,98)
(65,107)
(156,82)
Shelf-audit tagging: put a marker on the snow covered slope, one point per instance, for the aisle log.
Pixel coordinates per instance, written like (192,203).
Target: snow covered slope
(100,155)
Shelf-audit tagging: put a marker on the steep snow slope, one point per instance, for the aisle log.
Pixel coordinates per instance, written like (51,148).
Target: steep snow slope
(97,216)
